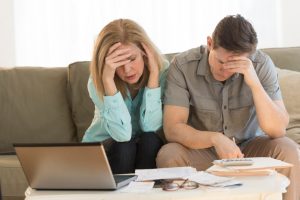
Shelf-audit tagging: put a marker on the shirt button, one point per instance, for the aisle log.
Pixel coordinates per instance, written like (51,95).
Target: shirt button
(225,107)
(225,127)
(149,95)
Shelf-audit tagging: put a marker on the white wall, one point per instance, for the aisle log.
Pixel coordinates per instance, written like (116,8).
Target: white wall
(290,23)
(7,39)
(64,33)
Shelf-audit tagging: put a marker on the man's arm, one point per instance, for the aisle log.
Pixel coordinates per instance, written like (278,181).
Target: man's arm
(177,130)
(271,114)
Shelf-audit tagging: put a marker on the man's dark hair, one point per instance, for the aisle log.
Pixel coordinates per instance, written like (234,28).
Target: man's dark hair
(235,33)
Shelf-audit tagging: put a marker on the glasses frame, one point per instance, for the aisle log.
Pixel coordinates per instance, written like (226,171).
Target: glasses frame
(170,185)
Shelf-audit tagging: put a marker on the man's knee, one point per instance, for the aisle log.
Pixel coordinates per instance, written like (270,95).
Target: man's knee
(172,155)
(285,149)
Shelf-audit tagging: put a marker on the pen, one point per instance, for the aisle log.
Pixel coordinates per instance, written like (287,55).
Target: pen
(233,139)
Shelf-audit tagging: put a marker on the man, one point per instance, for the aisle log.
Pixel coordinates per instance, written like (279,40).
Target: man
(224,101)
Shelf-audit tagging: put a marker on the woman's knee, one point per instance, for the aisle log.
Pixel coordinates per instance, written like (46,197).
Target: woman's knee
(150,141)
(123,148)
(121,156)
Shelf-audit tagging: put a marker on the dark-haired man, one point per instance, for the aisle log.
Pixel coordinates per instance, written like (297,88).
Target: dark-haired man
(223,101)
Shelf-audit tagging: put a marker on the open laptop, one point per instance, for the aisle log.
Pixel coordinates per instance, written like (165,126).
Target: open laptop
(68,166)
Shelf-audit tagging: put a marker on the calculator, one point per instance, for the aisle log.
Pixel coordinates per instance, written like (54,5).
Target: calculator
(234,162)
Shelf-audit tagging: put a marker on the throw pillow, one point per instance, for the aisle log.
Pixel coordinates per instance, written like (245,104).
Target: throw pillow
(289,84)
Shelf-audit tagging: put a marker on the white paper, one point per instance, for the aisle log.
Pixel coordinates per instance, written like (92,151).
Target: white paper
(262,163)
(138,187)
(205,178)
(164,173)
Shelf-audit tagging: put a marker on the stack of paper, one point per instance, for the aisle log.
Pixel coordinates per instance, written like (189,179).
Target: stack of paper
(208,179)
(261,166)
(164,173)
(181,173)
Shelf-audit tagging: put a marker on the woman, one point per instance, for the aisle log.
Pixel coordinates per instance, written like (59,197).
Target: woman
(126,82)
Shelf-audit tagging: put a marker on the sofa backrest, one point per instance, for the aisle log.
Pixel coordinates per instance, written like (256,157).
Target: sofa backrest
(53,105)
(285,58)
(34,106)
(83,107)
(81,104)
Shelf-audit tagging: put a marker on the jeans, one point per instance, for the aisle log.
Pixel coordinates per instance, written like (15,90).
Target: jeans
(138,153)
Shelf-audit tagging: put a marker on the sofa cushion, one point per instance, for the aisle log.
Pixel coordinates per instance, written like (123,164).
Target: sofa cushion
(34,106)
(289,82)
(13,181)
(81,104)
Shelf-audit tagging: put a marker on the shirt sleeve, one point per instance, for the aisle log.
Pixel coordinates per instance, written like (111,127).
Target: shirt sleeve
(176,92)
(151,107)
(113,117)
(269,79)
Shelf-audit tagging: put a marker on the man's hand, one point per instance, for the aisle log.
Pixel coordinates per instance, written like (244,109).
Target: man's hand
(226,148)
(242,65)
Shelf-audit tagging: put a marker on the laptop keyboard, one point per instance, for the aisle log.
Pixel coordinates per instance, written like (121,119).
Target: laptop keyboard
(120,178)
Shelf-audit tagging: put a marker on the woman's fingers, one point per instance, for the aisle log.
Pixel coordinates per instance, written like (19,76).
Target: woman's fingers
(120,58)
(113,47)
(117,52)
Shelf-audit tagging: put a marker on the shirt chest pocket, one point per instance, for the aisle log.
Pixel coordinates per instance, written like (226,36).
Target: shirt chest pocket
(204,114)
(204,104)
(240,102)
(241,108)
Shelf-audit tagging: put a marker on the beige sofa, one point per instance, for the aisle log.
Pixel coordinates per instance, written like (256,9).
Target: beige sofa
(52,105)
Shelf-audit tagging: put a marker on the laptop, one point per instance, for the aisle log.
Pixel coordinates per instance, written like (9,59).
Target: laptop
(68,166)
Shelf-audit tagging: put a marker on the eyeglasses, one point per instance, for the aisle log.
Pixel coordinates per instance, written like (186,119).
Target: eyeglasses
(173,186)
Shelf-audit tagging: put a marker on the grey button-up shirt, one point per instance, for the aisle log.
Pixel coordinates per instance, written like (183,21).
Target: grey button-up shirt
(214,106)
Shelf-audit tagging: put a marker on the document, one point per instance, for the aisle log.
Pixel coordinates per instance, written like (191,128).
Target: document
(260,163)
(164,173)
(261,166)
(208,179)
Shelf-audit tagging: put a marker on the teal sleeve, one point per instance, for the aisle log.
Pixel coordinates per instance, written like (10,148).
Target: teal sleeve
(112,118)
(151,114)
(151,110)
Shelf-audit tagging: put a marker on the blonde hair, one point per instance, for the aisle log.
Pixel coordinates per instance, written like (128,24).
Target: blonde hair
(127,32)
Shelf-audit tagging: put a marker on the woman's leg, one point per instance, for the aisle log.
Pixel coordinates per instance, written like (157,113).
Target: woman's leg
(147,148)
(121,155)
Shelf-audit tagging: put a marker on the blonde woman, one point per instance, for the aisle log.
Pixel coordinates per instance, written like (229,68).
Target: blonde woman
(126,85)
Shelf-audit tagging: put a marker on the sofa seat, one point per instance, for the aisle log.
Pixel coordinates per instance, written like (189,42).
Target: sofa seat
(13,181)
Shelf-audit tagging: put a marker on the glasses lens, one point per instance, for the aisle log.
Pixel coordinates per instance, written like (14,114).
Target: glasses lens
(189,185)
(170,186)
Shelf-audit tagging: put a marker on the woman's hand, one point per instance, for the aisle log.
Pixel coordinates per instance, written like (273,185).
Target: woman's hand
(152,65)
(116,57)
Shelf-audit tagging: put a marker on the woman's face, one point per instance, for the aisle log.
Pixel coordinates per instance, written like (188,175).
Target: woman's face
(132,71)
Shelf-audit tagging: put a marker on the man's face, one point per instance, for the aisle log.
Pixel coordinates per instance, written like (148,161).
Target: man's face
(217,58)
